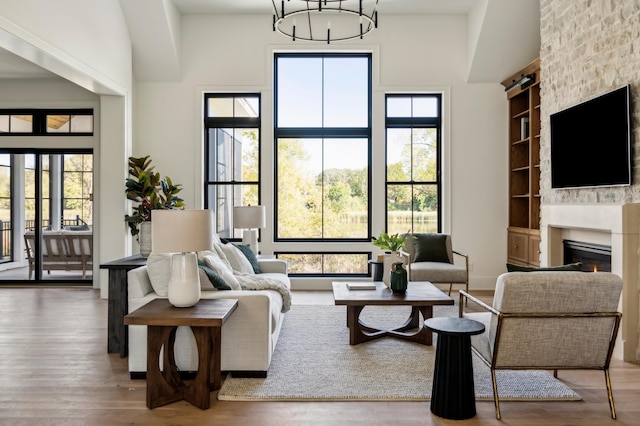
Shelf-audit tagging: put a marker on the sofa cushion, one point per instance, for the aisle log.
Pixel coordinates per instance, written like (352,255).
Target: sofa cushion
(220,267)
(237,259)
(511,267)
(250,255)
(430,248)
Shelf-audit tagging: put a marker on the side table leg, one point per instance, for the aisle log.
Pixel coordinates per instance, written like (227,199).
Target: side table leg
(453,394)
(162,387)
(198,393)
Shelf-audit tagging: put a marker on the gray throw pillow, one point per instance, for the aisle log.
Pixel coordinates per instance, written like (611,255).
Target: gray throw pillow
(568,267)
(430,248)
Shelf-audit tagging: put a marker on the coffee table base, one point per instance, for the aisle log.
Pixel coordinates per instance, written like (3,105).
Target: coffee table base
(360,332)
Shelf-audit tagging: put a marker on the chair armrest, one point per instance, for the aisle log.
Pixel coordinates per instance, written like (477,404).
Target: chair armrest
(465,295)
(407,256)
(466,256)
(273,266)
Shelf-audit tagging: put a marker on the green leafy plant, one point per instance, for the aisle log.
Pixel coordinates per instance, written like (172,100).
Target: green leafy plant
(150,191)
(393,242)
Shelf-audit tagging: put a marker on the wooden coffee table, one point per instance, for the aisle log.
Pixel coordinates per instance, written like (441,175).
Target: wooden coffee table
(422,296)
(162,320)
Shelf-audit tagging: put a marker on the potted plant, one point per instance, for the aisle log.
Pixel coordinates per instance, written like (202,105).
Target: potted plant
(151,192)
(389,242)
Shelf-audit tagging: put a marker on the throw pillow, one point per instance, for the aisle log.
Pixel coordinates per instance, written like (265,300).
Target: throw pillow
(568,267)
(215,281)
(430,248)
(219,267)
(251,256)
(239,262)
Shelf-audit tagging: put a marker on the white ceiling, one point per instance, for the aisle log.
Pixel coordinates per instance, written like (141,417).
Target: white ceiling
(497,53)
(384,6)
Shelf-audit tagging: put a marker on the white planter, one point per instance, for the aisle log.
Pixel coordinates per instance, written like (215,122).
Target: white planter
(144,238)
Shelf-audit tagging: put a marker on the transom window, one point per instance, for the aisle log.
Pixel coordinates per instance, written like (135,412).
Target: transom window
(30,122)
(413,178)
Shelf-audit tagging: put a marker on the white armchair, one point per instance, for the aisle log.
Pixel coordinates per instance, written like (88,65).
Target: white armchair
(549,321)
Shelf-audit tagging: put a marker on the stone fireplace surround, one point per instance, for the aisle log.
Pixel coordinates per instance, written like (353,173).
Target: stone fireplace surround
(614,225)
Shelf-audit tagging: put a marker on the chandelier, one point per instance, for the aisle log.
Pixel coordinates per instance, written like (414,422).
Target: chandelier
(325,20)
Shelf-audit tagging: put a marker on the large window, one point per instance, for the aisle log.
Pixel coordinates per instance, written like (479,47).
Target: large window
(413,126)
(232,153)
(322,146)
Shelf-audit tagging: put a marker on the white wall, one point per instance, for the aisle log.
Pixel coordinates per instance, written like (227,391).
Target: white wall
(411,54)
(87,43)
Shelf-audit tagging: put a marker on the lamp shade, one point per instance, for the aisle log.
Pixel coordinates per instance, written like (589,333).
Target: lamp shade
(249,217)
(181,230)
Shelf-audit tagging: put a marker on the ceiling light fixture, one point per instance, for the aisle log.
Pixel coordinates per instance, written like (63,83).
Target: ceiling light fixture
(325,20)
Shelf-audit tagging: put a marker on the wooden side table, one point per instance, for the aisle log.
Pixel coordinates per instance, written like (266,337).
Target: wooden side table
(117,331)
(453,394)
(162,320)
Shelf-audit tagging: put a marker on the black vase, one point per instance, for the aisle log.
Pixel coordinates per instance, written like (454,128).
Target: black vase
(398,278)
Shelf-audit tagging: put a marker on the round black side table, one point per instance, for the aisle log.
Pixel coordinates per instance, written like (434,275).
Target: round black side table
(453,395)
(378,268)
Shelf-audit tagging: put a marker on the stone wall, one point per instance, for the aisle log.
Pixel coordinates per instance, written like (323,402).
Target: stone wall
(588,48)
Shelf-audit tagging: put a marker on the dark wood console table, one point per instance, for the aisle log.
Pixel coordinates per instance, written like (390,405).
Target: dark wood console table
(118,332)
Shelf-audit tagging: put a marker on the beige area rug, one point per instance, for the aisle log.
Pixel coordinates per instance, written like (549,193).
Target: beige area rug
(313,361)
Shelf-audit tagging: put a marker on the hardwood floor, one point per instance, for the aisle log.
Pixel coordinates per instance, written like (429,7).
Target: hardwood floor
(55,370)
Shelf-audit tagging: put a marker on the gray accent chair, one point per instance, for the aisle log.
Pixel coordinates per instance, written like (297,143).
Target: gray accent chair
(548,321)
(431,258)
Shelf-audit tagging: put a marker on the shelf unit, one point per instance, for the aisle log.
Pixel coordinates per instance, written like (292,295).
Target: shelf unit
(524,168)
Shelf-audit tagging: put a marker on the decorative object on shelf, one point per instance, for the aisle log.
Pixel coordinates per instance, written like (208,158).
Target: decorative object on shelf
(525,81)
(398,278)
(250,218)
(325,20)
(151,192)
(182,232)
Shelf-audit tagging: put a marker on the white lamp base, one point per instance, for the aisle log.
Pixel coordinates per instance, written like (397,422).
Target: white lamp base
(184,283)
(250,238)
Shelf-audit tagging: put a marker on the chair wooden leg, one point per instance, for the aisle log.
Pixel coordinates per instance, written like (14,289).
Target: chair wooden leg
(555,374)
(610,393)
(450,286)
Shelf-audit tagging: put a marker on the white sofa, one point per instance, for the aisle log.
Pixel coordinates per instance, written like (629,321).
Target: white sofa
(249,336)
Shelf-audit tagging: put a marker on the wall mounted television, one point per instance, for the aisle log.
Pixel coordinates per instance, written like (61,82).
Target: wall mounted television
(591,142)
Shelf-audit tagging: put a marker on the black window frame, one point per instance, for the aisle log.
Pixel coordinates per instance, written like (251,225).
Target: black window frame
(323,133)
(39,117)
(412,123)
(230,122)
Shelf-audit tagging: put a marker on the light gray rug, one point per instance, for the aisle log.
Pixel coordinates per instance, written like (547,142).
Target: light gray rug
(313,361)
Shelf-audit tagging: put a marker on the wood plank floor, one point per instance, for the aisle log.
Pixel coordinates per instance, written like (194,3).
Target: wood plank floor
(55,370)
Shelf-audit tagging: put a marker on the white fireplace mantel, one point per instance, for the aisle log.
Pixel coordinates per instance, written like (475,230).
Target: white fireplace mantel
(615,225)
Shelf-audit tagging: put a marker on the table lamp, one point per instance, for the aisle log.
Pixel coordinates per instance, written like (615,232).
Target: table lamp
(250,218)
(182,232)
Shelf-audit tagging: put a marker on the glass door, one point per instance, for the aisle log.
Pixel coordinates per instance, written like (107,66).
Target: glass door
(50,215)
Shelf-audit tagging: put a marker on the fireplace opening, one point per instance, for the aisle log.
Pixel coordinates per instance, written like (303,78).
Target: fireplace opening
(594,257)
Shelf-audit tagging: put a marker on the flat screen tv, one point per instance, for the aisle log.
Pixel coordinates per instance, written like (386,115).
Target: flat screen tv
(591,142)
